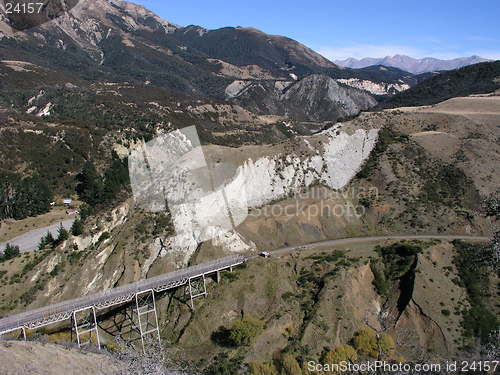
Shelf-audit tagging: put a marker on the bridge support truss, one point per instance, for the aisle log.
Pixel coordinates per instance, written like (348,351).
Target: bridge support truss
(196,288)
(85,323)
(21,333)
(147,318)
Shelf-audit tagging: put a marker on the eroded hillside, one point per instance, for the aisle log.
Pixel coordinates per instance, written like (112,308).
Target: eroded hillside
(405,186)
(307,303)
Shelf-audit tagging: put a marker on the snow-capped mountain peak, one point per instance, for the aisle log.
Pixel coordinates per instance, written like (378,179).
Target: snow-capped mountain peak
(410,64)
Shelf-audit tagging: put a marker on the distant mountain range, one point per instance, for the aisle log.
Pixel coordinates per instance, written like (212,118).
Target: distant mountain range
(409,64)
(116,41)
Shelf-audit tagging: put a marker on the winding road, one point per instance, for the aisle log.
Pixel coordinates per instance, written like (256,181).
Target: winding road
(353,240)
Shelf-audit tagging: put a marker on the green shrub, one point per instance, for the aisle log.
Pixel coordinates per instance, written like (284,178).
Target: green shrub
(58,268)
(365,342)
(77,227)
(379,281)
(342,353)
(366,202)
(103,237)
(10,252)
(223,365)
(75,256)
(245,330)
(368,343)
(398,258)
(491,205)
(262,368)
(479,322)
(328,257)
(287,296)
(290,366)
(30,295)
(231,276)
(387,344)
(111,346)
(474,265)
(39,257)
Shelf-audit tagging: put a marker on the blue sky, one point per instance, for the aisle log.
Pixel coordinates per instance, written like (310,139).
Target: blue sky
(340,29)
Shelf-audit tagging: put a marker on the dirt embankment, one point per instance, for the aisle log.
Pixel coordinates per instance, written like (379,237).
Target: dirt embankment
(32,358)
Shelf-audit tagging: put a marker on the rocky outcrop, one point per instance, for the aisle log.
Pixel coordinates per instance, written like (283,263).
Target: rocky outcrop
(319,98)
(375,88)
(199,209)
(313,98)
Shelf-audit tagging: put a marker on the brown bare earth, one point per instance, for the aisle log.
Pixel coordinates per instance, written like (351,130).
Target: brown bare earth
(242,72)
(482,105)
(460,130)
(30,358)
(303,296)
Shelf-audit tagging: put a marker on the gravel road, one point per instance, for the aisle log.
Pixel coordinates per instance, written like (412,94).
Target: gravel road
(344,241)
(29,241)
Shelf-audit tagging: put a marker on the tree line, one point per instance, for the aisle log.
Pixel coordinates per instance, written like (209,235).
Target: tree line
(99,189)
(23,197)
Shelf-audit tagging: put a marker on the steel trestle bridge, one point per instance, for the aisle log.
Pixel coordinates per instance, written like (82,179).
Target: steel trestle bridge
(140,293)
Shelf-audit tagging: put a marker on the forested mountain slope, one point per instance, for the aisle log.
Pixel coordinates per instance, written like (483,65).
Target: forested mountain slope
(475,79)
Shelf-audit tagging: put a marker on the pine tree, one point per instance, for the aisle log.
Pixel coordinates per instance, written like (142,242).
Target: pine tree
(116,178)
(62,235)
(49,238)
(10,252)
(90,186)
(77,227)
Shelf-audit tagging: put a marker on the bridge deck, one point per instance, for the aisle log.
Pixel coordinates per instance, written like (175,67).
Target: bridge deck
(63,310)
